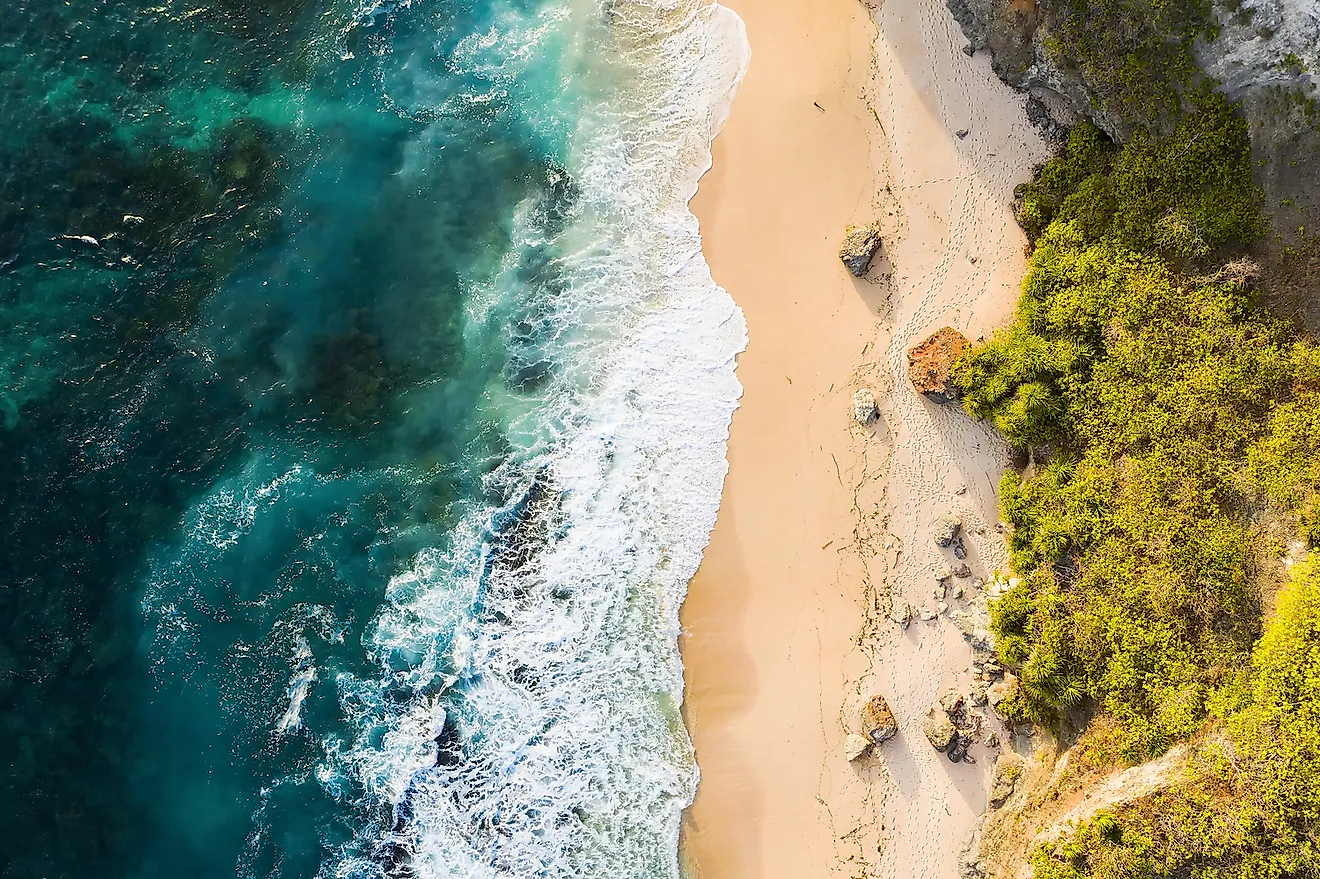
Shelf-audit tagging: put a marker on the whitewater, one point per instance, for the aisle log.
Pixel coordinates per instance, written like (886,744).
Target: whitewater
(516,712)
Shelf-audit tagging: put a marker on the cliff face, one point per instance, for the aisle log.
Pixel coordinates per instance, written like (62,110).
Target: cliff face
(1265,56)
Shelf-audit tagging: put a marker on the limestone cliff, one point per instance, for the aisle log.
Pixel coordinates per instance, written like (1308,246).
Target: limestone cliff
(1263,54)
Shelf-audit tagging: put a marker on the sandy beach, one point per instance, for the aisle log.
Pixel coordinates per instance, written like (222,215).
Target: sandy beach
(848,114)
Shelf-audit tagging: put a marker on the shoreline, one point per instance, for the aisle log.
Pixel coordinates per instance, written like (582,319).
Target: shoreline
(846,115)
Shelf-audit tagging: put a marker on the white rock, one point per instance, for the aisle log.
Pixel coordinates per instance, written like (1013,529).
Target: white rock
(856,747)
(864,408)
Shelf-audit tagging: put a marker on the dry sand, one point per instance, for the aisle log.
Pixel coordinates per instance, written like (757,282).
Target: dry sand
(847,115)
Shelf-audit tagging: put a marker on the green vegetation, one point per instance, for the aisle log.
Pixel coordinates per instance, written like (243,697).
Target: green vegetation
(1134,54)
(1174,437)
(1146,384)
(1250,803)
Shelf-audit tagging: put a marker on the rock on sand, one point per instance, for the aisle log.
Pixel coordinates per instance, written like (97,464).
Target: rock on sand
(930,365)
(856,747)
(878,723)
(939,730)
(864,408)
(860,245)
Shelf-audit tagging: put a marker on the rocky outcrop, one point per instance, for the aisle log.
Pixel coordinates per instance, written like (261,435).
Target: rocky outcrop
(1008,769)
(1263,57)
(930,365)
(864,407)
(860,245)
(878,723)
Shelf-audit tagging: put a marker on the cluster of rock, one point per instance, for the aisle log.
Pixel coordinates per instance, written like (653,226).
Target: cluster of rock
(953,582)
(878,727)
(952,727)
(930,365)
(860,246)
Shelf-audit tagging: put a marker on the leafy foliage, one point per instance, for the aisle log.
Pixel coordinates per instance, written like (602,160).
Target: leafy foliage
(1150,395)
(1247,805)
(1167,419)
(1135,54)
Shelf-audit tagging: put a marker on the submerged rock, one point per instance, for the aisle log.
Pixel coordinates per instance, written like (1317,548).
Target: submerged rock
(860,245)
(878,723)
(864,408)
(856,747)
(939,729)
(930,365)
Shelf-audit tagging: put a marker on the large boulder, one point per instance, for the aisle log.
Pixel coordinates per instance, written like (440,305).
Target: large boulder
(860,245)
(945,529)
(930,365)
(939,729)
(878,723)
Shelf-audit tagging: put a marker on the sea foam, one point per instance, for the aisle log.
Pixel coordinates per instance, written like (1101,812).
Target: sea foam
(539,733)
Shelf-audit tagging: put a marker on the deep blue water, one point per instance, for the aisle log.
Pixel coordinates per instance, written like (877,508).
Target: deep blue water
(335,540)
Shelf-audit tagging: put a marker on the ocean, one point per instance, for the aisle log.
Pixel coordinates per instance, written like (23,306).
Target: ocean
(363,405)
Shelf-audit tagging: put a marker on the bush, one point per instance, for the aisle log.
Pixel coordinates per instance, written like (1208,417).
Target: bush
(1152,397)
(1247,804)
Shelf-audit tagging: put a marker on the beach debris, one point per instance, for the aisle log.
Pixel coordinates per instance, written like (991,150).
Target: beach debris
(878,723)
(946,529)
(855,747)
(863,407)
(969,50)
(1003,693)
(930,365)
(1008,769)
(901,613)
(860,245)
(939,729)
(962,133)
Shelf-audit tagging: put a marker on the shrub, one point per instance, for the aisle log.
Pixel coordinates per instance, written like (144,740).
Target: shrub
(1147,392)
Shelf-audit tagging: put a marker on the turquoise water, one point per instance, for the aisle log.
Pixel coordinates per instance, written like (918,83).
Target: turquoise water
(363,397)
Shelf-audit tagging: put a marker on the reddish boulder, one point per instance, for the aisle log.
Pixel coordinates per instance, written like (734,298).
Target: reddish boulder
(930,365)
